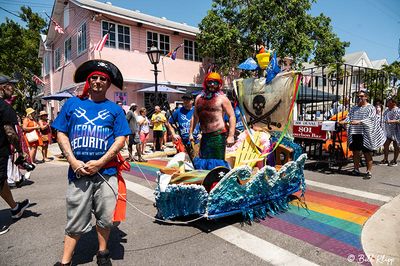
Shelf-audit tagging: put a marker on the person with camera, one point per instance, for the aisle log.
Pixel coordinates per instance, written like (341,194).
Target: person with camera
(92,130)
(8,136)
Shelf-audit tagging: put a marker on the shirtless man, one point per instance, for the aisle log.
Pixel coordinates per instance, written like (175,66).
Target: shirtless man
(210,106)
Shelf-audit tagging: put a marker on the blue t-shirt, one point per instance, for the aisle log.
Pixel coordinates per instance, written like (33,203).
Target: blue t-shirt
(239,123)
(182,116)
(91,128)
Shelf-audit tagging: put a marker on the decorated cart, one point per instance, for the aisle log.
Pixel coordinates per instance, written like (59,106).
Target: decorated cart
(266,166)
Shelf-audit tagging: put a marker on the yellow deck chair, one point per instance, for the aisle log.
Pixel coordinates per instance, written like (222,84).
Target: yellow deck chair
(248,152)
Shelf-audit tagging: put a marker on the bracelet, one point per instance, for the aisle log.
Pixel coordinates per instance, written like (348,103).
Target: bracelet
(76,170)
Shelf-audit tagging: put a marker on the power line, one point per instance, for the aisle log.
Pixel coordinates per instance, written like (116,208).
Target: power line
(383,11)
(9,12)
(22,3)
(366,39)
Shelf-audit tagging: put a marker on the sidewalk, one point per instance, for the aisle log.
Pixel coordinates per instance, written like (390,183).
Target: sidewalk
(381,235)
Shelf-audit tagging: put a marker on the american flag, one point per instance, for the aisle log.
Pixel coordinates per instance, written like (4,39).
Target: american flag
(37,80)
(57,27)
(99,46)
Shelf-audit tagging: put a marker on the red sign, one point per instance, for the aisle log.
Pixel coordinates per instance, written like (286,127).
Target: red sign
(308,130)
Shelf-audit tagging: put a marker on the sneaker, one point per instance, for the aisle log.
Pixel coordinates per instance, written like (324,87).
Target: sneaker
(62,264)
(383,162)
(4,229)
(355,172)
(103,258)
(27,175)
(393,163)
(20,209)
(368,175)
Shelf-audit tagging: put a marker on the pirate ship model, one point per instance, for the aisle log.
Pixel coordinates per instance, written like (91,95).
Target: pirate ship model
(266,165)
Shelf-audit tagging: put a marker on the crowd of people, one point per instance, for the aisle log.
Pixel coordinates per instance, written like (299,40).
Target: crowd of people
(368,131)
(92,130)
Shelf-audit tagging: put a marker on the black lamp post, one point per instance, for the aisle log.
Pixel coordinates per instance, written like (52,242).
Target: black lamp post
(154,56)
(333,83)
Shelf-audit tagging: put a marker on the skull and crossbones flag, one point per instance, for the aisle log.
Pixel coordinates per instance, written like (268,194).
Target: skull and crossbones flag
(266,105)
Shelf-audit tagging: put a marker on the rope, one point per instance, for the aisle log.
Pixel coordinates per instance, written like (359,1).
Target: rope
(145,177)
(145,214)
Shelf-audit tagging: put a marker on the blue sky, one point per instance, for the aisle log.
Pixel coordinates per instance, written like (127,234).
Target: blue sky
(369,25)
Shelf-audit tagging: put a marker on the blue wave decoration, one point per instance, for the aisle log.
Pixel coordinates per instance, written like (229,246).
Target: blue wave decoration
(181,201)
(266,193)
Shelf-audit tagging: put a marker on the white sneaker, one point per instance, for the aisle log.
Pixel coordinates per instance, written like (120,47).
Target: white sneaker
(27,175)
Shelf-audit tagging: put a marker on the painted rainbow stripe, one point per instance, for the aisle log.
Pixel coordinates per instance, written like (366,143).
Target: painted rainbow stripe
(331,223)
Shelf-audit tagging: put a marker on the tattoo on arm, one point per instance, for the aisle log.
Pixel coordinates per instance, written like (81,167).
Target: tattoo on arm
(114,150)
(65,146)
(12,136)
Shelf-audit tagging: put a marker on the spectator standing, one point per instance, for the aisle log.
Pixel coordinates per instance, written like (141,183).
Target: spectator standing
(134,137)
(181,118)
(364,132)
(29,125)
(45,133)
(165,132)
(391,119)
(144,128)
(158,120)
(91,132)
(8,136)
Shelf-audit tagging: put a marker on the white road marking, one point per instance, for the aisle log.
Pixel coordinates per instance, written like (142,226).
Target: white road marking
(350,191)
(248,242)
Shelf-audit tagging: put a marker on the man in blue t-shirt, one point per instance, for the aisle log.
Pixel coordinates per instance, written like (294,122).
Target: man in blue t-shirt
(91,132)
(239,123)
(181,118)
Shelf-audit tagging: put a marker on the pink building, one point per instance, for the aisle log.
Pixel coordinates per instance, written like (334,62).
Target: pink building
(132,33)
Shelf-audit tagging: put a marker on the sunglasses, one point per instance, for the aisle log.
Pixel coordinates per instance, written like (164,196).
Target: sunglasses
(103,79)
(213,82)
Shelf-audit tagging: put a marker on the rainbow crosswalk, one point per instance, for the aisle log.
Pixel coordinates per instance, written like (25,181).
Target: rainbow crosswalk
(331,223)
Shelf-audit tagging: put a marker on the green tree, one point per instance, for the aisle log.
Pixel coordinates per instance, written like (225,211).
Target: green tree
(19,46)
(393,72)
(233,30)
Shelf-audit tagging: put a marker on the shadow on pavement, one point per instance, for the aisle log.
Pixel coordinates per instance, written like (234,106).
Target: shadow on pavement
(5,215)
(87,246)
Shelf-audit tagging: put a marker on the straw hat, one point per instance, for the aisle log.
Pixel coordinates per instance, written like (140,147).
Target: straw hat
(43,113)
(29,111)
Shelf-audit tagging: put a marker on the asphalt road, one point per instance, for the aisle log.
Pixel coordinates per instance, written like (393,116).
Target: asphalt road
(37,238)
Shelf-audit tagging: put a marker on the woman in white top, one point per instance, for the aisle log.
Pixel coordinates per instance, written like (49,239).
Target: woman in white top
(364,132)
(144,128)
(391,118)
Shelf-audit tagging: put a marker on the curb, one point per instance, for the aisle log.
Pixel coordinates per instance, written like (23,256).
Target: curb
(380,236)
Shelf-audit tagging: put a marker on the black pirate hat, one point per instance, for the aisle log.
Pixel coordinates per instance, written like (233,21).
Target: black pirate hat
(84,70)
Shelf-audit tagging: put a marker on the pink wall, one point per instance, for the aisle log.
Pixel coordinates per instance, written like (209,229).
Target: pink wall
(134,64)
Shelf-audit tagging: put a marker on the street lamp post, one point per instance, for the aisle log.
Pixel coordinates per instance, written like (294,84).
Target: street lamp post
(154,56)
(333,83)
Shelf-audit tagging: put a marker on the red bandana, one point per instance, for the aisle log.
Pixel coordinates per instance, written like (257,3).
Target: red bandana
(85,92)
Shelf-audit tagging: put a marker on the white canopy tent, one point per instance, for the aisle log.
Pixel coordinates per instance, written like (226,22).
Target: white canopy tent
(160,88)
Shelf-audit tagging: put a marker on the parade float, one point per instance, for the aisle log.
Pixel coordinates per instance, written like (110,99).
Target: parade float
(266,166)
